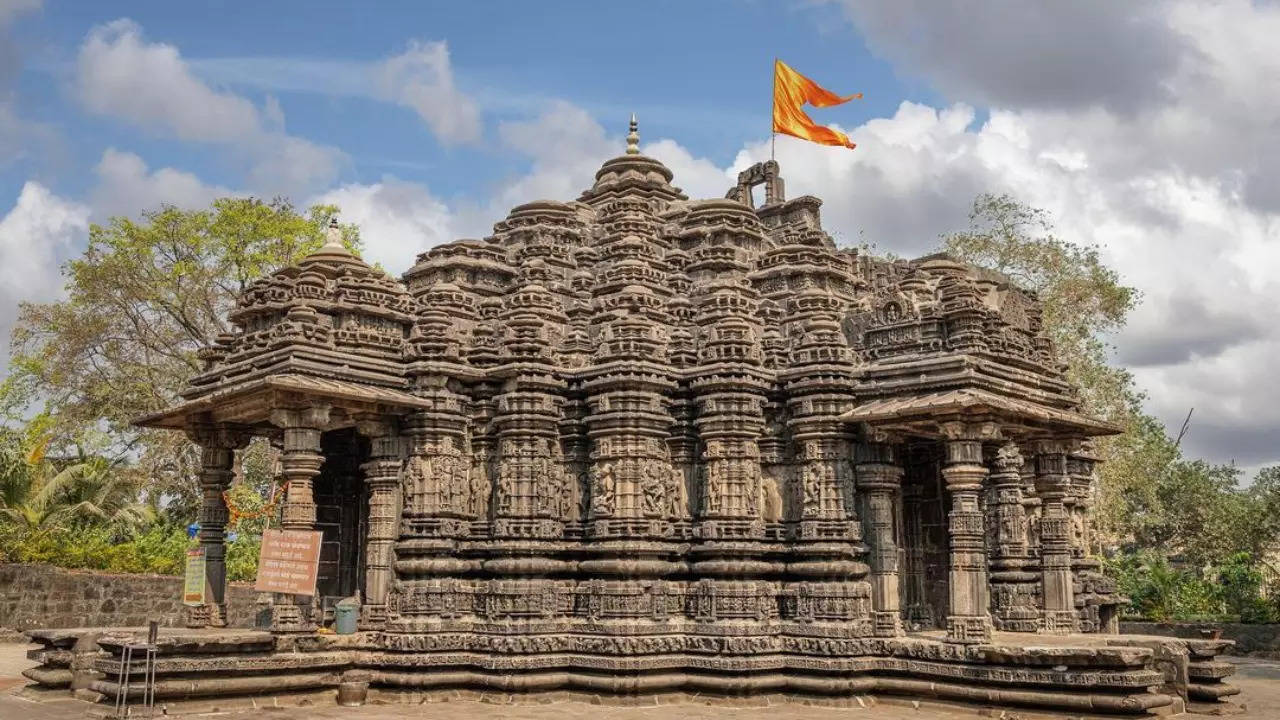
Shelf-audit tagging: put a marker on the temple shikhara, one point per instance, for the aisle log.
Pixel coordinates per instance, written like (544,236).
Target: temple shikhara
(640,443)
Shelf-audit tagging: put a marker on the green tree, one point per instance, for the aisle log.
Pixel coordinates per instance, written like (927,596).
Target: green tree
(1084,300)
(85,490)
(140,302)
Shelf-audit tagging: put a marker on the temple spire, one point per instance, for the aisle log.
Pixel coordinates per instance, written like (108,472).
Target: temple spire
(633,138)
(333,236)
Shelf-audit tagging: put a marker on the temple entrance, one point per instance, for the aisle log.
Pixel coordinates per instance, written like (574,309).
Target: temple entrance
(926,542)
(341,510)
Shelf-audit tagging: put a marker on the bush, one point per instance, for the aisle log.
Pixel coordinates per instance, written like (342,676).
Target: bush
(160,549)
(1230,592)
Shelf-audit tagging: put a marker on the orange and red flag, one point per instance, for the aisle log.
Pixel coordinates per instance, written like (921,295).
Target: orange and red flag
(791,91)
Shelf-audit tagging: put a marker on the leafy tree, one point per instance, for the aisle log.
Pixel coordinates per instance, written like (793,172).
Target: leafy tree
(140,302)
(77,492)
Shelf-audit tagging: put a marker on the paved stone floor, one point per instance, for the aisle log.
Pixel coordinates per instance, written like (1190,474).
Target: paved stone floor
(1258,679)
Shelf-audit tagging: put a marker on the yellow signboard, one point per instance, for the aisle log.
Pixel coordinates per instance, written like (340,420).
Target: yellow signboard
(193,587)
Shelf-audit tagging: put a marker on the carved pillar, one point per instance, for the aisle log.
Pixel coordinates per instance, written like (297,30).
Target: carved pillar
(1057,592)
(968,618)
(682,447)
(438,499)
(879,474)
(382,479)
(217,456)
(636,490)
(1096,597)
(299,463)
(576,447)
(532,485)
(1013,583)
(729,421)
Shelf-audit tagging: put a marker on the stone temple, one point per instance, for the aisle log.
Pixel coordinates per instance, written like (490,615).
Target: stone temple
(641,444)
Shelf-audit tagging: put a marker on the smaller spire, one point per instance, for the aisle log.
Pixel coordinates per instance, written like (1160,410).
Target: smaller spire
(333,236)
(633,138)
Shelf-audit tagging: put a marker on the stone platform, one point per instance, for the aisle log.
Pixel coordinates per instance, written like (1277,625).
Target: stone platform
(1078,675)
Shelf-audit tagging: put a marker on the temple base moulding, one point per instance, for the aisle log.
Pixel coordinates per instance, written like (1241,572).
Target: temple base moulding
(1093,675)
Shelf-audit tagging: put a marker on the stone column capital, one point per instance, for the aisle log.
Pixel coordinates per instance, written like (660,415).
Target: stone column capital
(223,436)
(970,430)
(877,436)
(376,426)
(1055,446)
(1008,459)
(313,417)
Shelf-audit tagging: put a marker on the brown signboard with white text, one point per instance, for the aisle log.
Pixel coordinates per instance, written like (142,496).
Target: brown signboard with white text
(289,562)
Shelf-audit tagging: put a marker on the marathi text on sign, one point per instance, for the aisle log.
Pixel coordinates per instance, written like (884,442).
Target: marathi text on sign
(289,562)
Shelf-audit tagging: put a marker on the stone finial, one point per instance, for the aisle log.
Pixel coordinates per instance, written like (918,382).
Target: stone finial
(633,137)
(333,235)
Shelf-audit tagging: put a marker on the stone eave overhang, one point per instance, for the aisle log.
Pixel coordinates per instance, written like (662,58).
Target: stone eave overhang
(299,359)
(922,414)
(250,403)
(957,371)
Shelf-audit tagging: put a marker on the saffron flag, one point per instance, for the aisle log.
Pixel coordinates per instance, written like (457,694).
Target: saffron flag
(791,91)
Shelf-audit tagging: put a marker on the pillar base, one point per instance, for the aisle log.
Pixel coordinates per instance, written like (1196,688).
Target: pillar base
(205,615)
(372,617)
(292,617)
(968,629)
(1059,622)
(886,623)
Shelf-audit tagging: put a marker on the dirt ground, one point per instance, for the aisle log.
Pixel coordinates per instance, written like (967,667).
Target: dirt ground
(1258,679)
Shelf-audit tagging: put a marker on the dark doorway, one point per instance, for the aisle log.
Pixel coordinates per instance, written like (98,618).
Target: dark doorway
(340,498)
(926,542)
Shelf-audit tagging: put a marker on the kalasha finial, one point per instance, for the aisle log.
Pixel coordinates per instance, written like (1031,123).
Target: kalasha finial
(633,137)
(333,236)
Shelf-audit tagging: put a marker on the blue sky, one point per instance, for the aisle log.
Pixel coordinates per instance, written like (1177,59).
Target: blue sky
(697,72)
(1145,127)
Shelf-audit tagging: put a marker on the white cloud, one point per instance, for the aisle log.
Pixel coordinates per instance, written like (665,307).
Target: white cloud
(1031,55)
(566,145)
(421,78)
(125,186)
(121,74)
(36,236)
(397,220)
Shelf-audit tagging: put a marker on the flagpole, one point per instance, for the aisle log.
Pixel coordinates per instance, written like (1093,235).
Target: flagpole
(773,134)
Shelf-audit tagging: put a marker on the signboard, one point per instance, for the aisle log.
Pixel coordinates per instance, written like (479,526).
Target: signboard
(193,584)
(289,561)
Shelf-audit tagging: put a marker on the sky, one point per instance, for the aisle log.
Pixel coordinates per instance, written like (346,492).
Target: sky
(1150,129)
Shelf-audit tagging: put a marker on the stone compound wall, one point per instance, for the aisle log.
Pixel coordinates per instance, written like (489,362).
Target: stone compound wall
(44,596)
(1250,639)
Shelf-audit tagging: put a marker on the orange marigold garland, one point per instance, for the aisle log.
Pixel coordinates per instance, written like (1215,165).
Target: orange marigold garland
(235,514)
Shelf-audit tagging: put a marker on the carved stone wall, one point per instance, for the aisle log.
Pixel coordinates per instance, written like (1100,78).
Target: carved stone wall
(638,424)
